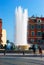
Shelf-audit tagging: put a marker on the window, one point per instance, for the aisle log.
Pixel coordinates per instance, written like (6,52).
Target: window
(32,40)
(39,41)
(32,33)
(42,35)
(43,41)
(28,40)
(32,27)
(38,26)
(39,21)
(39,33)
(43,26)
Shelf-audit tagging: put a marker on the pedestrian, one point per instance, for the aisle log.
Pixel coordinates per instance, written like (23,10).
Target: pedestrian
(5,49)
(40,50)
(34,49)
(4,52)
(23,52)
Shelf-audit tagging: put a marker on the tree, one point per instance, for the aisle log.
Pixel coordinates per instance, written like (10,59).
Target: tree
(12,46)
(7,41)
(1,46)
(5,47)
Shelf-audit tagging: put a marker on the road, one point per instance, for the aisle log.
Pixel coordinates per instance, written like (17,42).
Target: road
(12,60)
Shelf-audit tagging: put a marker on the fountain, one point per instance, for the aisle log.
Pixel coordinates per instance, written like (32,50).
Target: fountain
(21,27)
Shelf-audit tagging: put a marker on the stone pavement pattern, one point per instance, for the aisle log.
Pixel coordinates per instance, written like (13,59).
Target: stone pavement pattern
(21,60)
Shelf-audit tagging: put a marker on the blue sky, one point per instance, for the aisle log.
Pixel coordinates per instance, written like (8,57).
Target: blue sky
(7,13)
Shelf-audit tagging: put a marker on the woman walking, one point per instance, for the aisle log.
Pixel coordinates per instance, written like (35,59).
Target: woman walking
(40,50)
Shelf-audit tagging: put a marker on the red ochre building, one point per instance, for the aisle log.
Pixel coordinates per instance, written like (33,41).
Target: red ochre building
(35,30)
(0,30)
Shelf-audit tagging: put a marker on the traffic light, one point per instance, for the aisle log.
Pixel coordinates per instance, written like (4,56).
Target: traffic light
(42,36)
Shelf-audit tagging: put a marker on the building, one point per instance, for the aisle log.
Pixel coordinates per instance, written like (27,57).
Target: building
(0,30)
(3,37)
(35,30)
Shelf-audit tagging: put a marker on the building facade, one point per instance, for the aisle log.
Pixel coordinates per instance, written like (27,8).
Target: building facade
(35,30)
(3,38)
(0,30)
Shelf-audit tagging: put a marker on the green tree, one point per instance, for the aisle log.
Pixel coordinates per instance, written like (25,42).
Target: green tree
(12,46)
(7,41)
(1,46)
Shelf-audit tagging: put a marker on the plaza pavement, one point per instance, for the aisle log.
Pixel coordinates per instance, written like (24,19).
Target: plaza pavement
(7,60)
(20,59)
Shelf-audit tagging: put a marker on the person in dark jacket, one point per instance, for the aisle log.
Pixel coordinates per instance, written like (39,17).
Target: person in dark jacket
(40,50)
(34,49)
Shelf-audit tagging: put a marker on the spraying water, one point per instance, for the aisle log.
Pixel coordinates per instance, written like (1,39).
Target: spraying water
(21,26)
